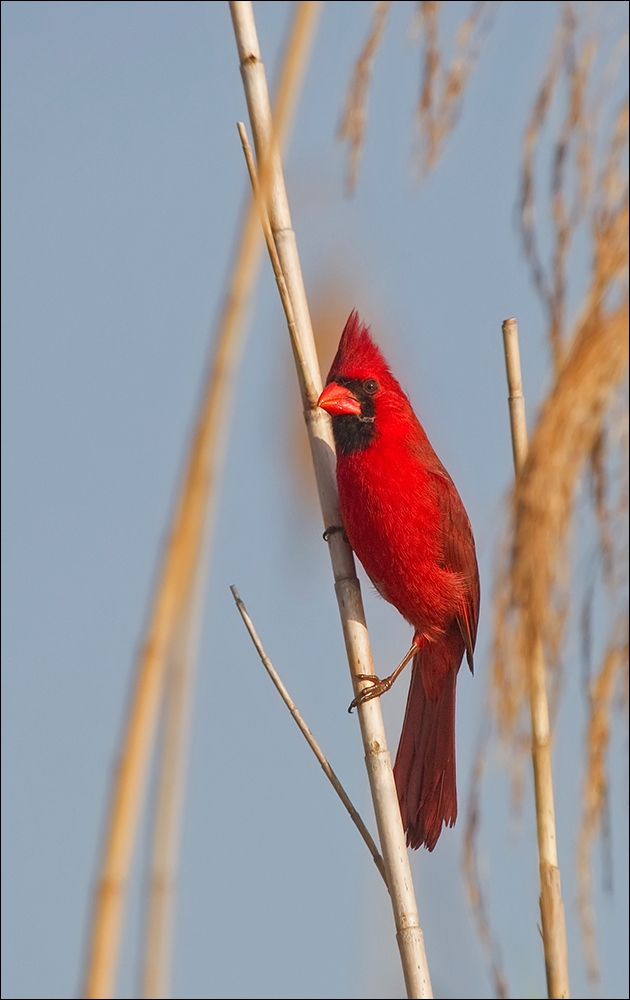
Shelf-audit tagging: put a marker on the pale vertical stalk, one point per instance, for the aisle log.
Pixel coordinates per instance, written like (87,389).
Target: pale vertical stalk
(180,564)
(393,848)
(551,907)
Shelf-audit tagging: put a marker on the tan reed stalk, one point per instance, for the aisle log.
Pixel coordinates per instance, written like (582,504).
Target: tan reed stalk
(409,935)
(551,906)
(308,736)
(175,591)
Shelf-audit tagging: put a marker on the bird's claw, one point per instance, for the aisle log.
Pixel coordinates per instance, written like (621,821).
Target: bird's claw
(378,687)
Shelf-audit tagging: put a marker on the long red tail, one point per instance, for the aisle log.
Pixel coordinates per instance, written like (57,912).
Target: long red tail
(425,761)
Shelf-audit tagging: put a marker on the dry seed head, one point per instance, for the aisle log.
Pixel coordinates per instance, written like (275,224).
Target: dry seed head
(442,90)
(578,428)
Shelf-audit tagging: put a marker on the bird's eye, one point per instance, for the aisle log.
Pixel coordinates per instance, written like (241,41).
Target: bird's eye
(370,386)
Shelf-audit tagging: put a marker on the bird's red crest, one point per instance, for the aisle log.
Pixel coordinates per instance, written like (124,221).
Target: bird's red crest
(357,355)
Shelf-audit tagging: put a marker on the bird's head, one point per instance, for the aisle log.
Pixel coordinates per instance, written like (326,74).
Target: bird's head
(360,389)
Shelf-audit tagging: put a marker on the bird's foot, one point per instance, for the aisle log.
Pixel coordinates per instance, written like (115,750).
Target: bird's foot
(376,689)
(378,686)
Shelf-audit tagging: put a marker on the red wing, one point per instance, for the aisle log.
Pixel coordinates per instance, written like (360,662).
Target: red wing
(459,554)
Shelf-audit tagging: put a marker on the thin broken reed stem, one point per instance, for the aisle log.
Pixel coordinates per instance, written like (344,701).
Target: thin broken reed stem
(308,736)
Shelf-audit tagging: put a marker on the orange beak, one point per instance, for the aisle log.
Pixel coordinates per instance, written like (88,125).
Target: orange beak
(337,399)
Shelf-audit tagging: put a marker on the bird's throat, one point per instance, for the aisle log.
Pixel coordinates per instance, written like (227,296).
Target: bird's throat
(353,433)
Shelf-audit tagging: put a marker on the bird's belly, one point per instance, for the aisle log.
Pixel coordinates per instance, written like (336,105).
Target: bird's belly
(394,529)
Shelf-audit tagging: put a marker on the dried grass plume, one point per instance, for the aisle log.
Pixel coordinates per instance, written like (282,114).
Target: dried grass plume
(577,438)
(443,86)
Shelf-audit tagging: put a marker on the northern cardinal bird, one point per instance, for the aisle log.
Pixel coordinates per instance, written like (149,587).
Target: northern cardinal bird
(405,520)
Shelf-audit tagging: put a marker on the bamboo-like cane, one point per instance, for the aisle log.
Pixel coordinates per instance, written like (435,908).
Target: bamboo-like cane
(308,736)
(175,589)
(409,935)
(551,907)
(161,890)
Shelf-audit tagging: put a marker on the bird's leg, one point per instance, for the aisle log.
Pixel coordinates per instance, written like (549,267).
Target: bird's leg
(379,686)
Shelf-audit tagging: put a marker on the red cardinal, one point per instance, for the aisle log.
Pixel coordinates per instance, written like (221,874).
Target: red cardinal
(406,523)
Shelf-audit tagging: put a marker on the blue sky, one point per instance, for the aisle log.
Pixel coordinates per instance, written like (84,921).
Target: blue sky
(123,183)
